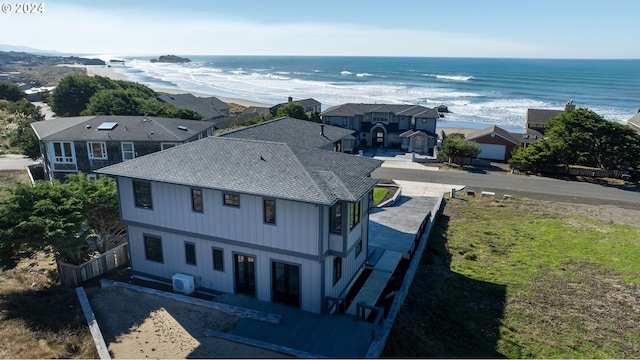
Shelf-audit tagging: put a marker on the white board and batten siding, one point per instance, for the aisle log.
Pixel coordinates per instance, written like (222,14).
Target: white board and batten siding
(296,228)
(174,261)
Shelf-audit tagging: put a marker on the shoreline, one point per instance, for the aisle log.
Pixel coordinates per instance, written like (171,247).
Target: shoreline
(105,71)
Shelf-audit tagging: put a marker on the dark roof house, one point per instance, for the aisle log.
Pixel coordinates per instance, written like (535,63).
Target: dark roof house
(211,108)
(296,132)
(309,105)
(87,143)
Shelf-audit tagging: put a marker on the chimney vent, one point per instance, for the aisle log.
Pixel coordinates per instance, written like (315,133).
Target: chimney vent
(290,99)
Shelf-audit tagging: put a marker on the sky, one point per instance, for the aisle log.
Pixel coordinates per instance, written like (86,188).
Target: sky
(590,29)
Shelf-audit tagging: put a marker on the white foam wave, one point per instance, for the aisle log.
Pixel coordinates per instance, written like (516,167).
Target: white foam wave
(451,77)
(364,75)
(268,86)
(345,72)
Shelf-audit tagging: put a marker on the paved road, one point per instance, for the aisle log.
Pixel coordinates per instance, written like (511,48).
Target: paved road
(15,162)
(520,185)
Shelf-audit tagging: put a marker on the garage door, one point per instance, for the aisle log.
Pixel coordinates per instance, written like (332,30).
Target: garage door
(492,151)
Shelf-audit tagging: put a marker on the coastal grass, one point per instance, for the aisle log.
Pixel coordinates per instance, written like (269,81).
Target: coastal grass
(378,194)
(518,278)
(39,318)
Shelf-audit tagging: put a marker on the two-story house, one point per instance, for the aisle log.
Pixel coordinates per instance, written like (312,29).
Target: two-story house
(87,143)
(309,105)
(410,127)
(298,132)
(277,222)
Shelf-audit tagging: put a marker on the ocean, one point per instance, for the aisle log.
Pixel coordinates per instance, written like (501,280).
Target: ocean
(477,91)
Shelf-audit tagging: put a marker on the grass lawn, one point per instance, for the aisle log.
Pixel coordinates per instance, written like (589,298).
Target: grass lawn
(378,194)
(515,278)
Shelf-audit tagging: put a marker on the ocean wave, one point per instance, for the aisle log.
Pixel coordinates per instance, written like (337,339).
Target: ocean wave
(451,77)
(345,72)
(364,75)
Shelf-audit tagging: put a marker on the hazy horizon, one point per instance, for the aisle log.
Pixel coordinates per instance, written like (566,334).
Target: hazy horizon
(541,29)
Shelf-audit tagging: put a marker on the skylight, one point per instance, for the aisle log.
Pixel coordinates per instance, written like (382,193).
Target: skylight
(107,125)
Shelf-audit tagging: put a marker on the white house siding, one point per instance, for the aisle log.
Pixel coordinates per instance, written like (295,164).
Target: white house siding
(351,265)
(296,226)
(223,281)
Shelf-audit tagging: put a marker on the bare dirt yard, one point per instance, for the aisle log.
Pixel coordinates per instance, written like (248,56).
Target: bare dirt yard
(138,325)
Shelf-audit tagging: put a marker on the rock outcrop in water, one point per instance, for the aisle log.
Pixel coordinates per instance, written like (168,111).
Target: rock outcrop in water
(171,59)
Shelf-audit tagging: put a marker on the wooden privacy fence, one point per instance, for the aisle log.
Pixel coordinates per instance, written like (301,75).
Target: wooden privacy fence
(73,275)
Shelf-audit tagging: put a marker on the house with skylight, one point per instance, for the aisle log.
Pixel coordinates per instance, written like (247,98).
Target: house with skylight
(87,143)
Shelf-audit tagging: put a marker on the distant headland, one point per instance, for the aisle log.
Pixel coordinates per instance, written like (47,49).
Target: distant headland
(171,59)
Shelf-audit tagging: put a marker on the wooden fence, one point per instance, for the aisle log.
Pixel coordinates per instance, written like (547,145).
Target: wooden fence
(574,171)
(73,275)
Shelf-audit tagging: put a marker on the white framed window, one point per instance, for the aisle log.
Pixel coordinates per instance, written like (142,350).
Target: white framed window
(97,150)
(165,146)
(92,176)
(128,151)
(63,152)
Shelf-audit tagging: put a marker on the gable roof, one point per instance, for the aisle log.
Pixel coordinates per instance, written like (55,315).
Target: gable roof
(492,131)
(354,109)
(128,128)
(541,116)
(256,167)
(292,131)
(209,107)
(634,122)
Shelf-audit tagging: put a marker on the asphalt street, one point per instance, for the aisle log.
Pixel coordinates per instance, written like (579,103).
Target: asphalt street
(521,185)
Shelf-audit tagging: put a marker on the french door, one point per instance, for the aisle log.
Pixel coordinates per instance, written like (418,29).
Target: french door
(286,283)
(245,274)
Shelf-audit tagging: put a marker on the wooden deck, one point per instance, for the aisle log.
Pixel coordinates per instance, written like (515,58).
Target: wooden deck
(334,336)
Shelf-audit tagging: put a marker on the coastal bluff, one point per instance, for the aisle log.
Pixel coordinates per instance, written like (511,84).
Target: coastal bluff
(170,59)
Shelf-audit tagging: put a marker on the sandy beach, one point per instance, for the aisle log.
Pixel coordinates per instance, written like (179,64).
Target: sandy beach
(102,70)
(137,325)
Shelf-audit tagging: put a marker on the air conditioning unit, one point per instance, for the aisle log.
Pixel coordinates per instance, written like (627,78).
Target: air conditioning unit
(183,283)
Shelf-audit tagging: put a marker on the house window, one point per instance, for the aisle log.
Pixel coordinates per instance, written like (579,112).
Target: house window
(269,207)
(218,262)
(63,152)
(196,200)
(424,120)
(354,214)
(358,248)
(337,269)
(335,218)
(92,176)
(345,121)
(413,121)
(153,248)
(142,194)
(231,200)
(97,150)
(190,253)
(165,146)
(128,151)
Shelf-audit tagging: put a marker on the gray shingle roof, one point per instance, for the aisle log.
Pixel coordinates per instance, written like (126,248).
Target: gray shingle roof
(354,109)
(256,167)
(208,107)
(496,130)
(130,128)
(541,116)
(634,122)
(292,131)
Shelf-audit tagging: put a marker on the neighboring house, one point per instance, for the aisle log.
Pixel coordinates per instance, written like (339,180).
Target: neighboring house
(634,122)
(411,127)
(309,105)
(298,132)
(537,119)
(211,108)
(280,223)
(87,143)
(495,142)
